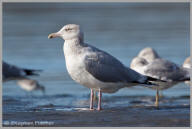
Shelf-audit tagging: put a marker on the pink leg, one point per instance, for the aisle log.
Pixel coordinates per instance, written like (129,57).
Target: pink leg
(91,100)
(99,101)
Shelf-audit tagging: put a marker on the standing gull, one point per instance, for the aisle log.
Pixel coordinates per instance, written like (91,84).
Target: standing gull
(150,64)
(94,68)
(12,72)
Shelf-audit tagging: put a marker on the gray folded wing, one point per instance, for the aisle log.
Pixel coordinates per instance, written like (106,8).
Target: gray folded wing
(106,68)
(166,70)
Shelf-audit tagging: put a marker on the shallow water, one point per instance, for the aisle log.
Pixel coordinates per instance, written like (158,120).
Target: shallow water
(120,29)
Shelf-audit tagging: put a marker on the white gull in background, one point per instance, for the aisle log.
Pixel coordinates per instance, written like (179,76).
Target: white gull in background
(94,68)
(149,63)
(12,72)
(187,64)
(148,54)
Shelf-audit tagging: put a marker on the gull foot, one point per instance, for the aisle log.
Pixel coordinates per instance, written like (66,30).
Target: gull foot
(99,109)
(91,109)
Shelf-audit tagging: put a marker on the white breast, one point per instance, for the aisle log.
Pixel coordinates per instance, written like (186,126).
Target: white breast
(76,70)
(26,86)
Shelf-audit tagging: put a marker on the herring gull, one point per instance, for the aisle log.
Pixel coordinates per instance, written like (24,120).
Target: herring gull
(94,68)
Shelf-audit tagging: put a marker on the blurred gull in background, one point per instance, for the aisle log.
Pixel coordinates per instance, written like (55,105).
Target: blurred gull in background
(149,63)
(12,72)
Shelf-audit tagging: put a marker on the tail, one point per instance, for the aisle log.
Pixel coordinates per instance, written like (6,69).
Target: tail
(31,72)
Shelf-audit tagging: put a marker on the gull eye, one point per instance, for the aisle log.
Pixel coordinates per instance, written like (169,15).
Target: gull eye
(67,29)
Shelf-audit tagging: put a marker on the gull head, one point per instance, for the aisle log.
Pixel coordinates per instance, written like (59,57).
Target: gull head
(68,32)
(138,62)
(148,54)
(39,86)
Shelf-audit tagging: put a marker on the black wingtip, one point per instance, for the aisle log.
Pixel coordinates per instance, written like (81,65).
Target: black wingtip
(185,79)
(154,79)
(32,72)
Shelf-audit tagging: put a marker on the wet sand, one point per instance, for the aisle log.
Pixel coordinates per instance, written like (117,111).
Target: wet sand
(137,116)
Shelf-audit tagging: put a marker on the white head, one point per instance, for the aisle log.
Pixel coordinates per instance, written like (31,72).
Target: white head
(68,32)
(138,63)
(148,54)
(187,63)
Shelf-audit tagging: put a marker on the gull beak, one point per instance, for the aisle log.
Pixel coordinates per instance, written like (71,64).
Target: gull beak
(53,35)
